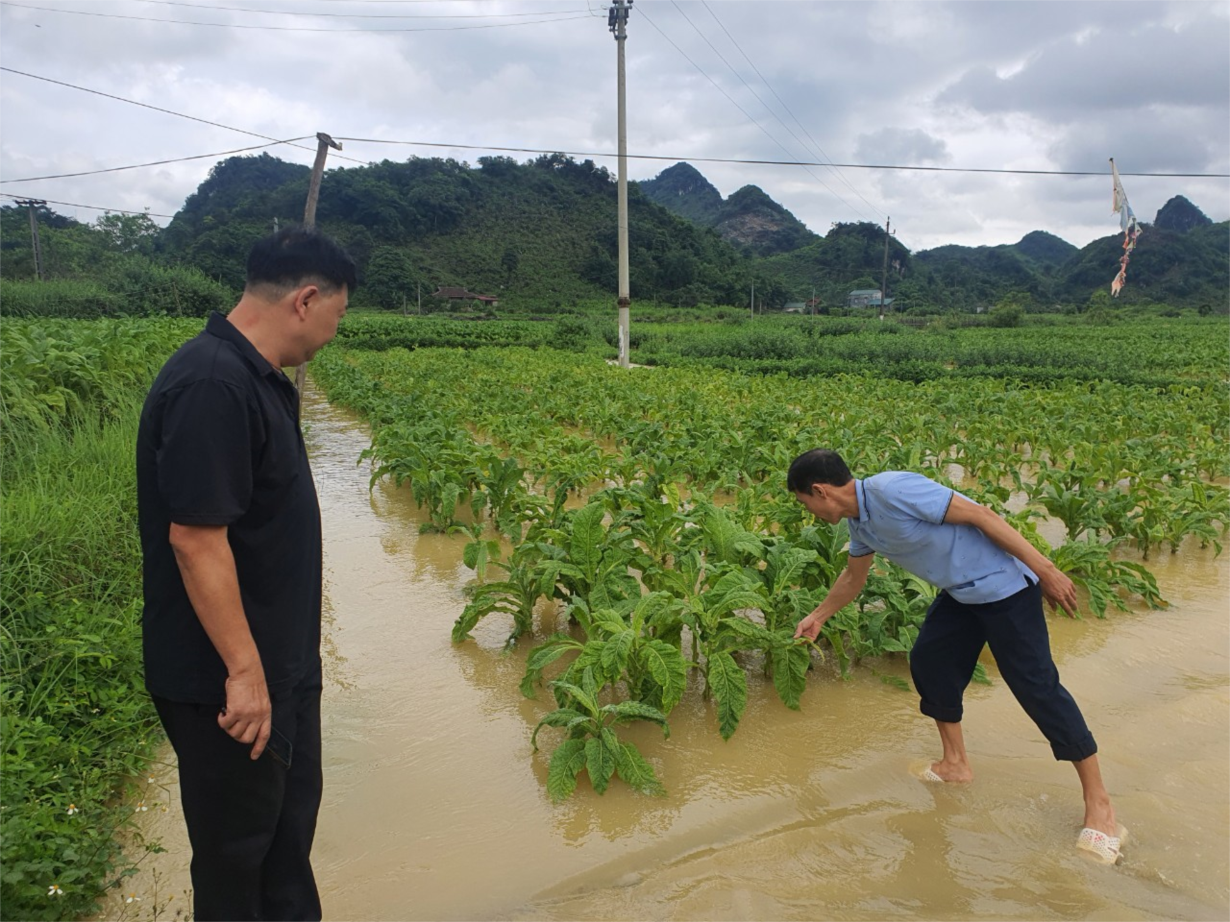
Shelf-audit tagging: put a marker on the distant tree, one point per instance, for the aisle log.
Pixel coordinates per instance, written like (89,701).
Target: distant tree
(390,278)
(509,263)
(129,233)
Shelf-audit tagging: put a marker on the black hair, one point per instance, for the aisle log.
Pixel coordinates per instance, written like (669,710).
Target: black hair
(298,256)
(820,465)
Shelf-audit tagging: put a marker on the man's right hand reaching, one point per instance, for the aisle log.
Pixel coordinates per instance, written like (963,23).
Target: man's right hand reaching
(809,627)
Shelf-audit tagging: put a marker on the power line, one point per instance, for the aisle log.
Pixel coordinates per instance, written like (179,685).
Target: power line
(740,108)
(782,102)
(193,118)
(152,214)
(227,25)
(849,166)
(768,109)
(137,166)
(244,9)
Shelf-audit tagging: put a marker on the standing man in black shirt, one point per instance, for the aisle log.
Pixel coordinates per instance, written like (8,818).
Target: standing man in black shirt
(230,532)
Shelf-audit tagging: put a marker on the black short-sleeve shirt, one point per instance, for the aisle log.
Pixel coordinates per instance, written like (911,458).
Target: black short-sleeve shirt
(219,443)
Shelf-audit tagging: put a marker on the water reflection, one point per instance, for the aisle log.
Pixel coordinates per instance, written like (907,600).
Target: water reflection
(436,804)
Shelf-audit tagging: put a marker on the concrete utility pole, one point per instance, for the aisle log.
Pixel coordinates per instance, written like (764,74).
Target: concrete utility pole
(323,143)
(884,275)
(617,22)
(31,204)
(752,300)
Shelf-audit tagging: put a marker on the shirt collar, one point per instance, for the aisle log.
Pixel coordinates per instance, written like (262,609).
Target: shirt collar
(861,498)
(219,326)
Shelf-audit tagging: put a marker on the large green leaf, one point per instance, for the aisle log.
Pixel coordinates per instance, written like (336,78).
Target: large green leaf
(600,758)
(668,669)
(567,760)
(729,686)
(625,711)
(542,656)
(790,663)
(561,717)
(585,547)
(618,650)
(636,771)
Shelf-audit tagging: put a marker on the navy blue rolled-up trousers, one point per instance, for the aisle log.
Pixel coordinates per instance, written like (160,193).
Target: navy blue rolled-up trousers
(946,652)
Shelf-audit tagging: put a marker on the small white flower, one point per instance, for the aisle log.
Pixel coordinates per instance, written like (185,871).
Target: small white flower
(54,890)
(133,898)
(72,808)
(141,808)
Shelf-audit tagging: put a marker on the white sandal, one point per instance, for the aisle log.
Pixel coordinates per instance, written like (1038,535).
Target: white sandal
(1101,847)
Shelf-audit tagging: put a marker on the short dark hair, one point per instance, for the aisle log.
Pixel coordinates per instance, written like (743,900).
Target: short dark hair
(298,256)
(820,465)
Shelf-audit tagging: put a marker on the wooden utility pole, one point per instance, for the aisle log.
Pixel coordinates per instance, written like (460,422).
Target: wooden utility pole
(31,204)
(617,22)
(323,143)
(884,275)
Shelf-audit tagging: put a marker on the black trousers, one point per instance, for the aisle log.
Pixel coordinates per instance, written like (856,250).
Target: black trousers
(251,823)
(946,652)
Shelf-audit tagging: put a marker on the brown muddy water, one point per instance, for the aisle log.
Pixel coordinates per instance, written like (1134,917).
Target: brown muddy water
(435,804)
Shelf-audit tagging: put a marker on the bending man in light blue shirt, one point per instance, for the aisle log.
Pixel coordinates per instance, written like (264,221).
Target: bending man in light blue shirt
(991,581)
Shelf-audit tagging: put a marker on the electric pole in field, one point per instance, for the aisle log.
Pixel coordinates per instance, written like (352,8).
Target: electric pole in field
(884,275)
(31,204)
(617,22)
(323,143)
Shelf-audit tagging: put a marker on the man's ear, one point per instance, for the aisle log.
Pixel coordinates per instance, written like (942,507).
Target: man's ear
(302,297)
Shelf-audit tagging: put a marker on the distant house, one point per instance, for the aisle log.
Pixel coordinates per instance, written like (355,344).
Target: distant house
(794,307)
(812,305)
(866,297)
(461,294)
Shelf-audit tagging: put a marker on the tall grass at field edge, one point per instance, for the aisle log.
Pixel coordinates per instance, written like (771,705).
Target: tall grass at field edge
(76,727)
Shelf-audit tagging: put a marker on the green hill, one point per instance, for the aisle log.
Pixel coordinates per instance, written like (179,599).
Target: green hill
(540,234)
(749,219)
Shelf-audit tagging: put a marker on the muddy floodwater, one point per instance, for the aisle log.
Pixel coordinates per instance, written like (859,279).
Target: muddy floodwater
(436,808)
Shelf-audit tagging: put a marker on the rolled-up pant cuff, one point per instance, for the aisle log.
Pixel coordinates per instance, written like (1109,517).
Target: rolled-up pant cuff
(1075,752)
(938,712)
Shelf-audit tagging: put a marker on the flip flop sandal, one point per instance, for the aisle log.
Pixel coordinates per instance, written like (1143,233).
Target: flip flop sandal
(923,772)
(1100,847)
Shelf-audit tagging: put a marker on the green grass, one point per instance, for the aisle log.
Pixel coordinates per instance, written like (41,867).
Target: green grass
(76,726)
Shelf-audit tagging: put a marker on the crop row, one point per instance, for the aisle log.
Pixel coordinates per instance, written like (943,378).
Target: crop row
(689,558)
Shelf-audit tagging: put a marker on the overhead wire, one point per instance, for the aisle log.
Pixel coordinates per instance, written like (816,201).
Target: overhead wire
(152,214)
(769,109)
(137,166)
(800,163)
(815,144)
(245,9)
(193,118)
(331,29)
(747,114)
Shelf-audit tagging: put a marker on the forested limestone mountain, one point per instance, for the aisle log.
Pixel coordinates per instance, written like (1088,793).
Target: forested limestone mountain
(749,219)
(536,233)
(541,236)
(1180,215)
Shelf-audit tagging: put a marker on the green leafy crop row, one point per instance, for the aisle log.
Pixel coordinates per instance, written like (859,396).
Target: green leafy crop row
(686,559)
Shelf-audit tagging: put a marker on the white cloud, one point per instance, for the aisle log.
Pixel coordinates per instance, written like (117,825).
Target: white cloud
(970,84)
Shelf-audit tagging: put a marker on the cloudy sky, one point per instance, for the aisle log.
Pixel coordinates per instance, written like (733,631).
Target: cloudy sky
(1054,86)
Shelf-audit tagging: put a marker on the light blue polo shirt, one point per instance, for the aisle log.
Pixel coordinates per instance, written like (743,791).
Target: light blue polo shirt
(901,515)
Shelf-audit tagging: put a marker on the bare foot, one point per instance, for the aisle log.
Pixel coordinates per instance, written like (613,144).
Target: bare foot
(955,772)
(1100,815)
